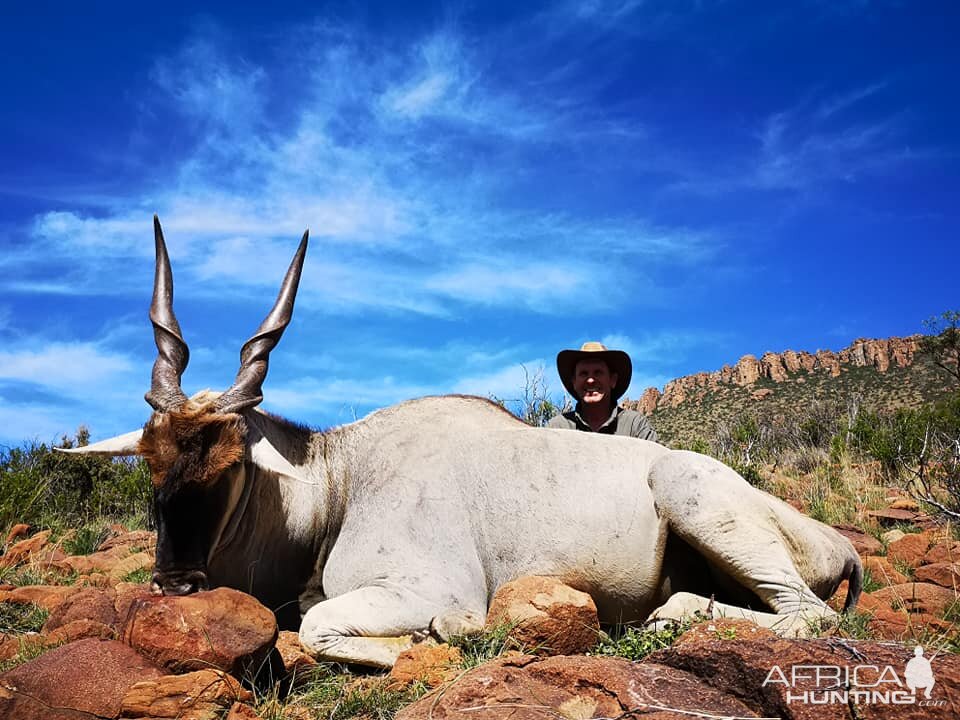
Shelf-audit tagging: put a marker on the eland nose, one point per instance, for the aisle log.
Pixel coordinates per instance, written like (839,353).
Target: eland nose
(179,583)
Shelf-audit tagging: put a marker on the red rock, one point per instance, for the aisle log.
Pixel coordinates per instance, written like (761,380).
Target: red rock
(223,628)
(882,571)
(31,644)
(199,694)
(917,597)
(116,562)
(46,596)
(87,603)
(88,676)
(431,664)
(746,670)
(78,630)
(130,595)
(98,580)
(648,401)
(724,629)
(532,688)
(889,517)
(296,661)
(239,711)
(943,552)
(944,574)
(864,544)
(888,624)
(550,618)
(24,550)
(909,549)
(136,541)
(905,504)
(16,532)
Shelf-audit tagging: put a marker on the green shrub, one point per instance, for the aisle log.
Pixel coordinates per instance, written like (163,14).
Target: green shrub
(19,618)
(331,693)
(635,643)
(478,648)
(49,489)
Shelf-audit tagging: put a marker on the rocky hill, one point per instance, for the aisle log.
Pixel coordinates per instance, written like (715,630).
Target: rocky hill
(883,373)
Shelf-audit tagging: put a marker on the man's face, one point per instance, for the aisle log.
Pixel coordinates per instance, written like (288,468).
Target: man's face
(593,381)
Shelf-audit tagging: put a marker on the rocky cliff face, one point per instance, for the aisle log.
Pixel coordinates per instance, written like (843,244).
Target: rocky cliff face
(777,367)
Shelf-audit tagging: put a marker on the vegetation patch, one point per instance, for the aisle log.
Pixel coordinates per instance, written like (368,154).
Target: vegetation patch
(478,648)
(635,643)
(47,489)
(20,618)
(335,695)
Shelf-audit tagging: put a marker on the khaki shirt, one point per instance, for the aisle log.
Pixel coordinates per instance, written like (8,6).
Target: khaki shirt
(620,422)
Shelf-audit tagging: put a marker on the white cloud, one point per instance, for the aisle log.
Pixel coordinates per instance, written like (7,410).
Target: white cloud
(73,368)
(509,383)
(417,100)
(28,422)
(395,224)
(340,395)
(538,284)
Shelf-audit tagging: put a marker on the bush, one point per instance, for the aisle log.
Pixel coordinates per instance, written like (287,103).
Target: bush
(635,643)
(49,489)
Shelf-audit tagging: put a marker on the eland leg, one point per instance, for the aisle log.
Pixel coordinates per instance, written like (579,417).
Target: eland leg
(373,625)
(683,605)
(736,530)
(368,626)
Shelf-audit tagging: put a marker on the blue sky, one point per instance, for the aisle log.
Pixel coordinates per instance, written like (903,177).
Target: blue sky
(484,185)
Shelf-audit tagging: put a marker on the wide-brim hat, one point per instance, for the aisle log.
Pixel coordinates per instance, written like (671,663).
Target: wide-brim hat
(617,361)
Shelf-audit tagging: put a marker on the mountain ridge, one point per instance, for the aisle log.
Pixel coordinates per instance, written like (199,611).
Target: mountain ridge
(878,373)
(879,353)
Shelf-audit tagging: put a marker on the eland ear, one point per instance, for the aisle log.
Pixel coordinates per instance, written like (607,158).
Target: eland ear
(125,444)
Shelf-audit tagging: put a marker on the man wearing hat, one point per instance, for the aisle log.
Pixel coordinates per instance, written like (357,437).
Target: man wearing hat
(596,378)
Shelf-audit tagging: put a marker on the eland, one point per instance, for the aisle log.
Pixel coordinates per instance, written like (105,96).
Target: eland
(372,535)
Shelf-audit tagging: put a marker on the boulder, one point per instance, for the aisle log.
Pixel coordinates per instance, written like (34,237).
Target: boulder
(32,644)
(882,571)
(943,552)
(906,611)
(84,678)
(88,603)
(724,629)
(34,549)
(891,536)
(128,597)
(889,516)
(16,532)
(297,662)
(549,618)
(198,695)
(135,541)
(779,677)
(223,629)
(944,574)
(534,688)
(917,597)
(116,562)
(47,597)
(21,551)
(432,665)
(910,549)
(864,544)
(905,503)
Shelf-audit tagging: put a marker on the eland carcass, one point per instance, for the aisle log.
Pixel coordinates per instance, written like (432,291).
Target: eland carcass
(374,533)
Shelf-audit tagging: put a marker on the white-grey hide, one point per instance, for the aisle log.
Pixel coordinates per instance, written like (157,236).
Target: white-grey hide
(419,512)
